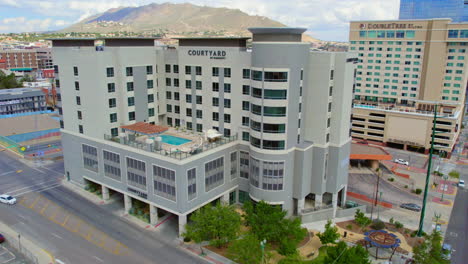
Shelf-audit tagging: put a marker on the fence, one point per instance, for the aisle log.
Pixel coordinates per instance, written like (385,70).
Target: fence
(10,144)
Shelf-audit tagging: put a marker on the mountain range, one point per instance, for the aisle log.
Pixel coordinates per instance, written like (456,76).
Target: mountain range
(174,20)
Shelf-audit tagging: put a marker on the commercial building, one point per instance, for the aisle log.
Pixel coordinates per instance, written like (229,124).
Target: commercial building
(457,10)
(44,58)
(180,127)
(21,100)
(17,59)
(406,67)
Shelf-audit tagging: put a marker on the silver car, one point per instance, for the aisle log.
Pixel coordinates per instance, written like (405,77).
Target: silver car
(411,206)
(7,199)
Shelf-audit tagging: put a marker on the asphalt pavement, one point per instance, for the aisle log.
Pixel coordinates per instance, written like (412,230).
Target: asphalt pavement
(55,218)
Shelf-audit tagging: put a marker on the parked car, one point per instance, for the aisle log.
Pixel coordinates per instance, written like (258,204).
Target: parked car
(461,183)
(351,204)
(402,162)
(2,238)
(446,251)
(7,199)
(411,206)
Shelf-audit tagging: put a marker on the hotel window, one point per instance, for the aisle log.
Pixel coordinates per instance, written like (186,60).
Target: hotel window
(188,111)
(227,72)
(199,128)
(254,171)
(78,100)
(245,137)
(79,115)
(215,116)
(176,109)
(80,129)
(188,84)
(215,71)
(380,34)
(111,87)
(149,69)
(75,71)
(188,70)
(199,99)
(192,183)
(176,68)
(150,112)
(176,82)
(198,70)
(215,87)
(110,72)
(131,101)
(168,81)
(199,113)
(227,118)
(189,126)
(233,165)
(112,102)
(150,98)
(130,86)
(149,84)
(90,158)
(276,76)
(168,95)
(273,175)
(168,68)
(136,173)
(129,71)
(198,85)
(215,101)
(464,33)
(453,33)
(214,173)
(113,117)
(188,98)
(111,164)
(246,105)
(245,121)
(77,86)
(131,116)
(410,34)
(227,88)
(227,103)
(246,73)
(362,34)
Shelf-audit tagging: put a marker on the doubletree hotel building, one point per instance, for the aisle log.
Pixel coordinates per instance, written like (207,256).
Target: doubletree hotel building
(210,119)
(405,68)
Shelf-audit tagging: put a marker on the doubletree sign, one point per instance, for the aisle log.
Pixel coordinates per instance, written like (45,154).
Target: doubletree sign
(213,54)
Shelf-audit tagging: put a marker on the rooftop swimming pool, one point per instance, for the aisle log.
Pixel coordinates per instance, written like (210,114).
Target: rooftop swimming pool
(176,141)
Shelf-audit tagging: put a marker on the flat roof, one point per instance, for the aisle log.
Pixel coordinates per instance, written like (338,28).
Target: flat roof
(25,124)
(277,30)
(145,128)
(103,38)
(18,90)
(401,20)
(366,152)
(212,38)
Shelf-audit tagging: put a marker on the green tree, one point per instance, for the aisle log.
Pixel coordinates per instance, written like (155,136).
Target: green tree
(430,251)
(330,235)
(245,250)
(342,254)
(361,219)
(9,81)
(269,222)
(217,224)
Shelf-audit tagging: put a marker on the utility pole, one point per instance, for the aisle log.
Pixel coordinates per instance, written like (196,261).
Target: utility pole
(443,187)
(262,246)
(428,174)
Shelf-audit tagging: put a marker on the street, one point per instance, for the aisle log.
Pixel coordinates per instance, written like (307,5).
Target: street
(74,229)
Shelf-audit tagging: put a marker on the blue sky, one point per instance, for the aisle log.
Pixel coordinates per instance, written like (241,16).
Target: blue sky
(325,19)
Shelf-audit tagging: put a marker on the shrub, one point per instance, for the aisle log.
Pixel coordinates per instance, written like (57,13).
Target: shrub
(406,186)
(131,211)
(287,247)
(398,225)
(454,174)
(406,231)
(391,179)
(291,259)
(98,192)
(391,220)
(87,187)
(418,191)
(378,224)
(140,212)
(350,227)
(187,239)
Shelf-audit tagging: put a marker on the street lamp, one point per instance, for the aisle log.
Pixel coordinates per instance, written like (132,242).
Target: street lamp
(443,187)
(262,246)
(428,173)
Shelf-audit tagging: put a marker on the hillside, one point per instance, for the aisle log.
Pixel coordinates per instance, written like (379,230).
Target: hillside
(174,19)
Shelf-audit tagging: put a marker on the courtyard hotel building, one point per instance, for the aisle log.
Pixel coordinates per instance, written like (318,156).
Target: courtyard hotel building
(211,119)
(405,68)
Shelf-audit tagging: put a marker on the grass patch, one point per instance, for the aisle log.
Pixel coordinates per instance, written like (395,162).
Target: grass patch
(321,257)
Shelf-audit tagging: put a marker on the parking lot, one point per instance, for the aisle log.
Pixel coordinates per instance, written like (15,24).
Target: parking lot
(60,216)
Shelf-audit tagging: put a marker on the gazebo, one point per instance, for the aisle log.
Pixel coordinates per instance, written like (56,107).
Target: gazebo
(145,129)
(381,239)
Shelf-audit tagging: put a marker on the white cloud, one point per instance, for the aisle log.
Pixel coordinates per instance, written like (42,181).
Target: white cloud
(328,19)
(21,24)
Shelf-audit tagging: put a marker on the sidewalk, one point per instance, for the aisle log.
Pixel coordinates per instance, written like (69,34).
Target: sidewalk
(28,248)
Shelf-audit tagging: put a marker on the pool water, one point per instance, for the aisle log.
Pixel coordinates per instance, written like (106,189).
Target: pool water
(176,141)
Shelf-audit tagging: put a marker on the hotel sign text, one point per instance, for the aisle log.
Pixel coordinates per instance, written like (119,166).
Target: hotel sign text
(213,54)
(389,26)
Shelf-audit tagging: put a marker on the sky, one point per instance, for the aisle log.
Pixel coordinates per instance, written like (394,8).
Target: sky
(324,19)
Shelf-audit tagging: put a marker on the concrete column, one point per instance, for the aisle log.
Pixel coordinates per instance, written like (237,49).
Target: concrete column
(334,203)
(300,205)
(128,203)
(318,200)
(374,164)
(182,223)
(343,195)
(153,214)
(105,193)
(225,198)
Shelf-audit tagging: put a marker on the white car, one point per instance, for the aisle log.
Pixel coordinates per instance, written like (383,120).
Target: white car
(7,199)
(402,162)
(461,183)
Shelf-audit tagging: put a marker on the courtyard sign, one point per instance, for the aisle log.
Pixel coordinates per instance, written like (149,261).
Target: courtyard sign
(213,54)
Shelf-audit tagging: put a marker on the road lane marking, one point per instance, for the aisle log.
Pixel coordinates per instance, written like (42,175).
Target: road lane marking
(45,207)
(98,259)
(6,173)
(57,236)
(19,171)
(66,220)
(77,226)
(31,186)
(35,201)
(40,189)
(117,249)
